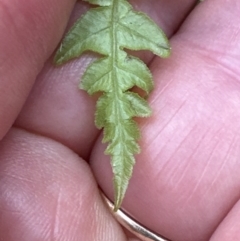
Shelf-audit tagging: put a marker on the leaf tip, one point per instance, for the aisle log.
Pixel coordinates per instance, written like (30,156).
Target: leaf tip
(120,189)
(116,207)
(57,60)
(118,201)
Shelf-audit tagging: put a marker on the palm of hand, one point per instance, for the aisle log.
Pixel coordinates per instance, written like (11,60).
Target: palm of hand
(186,182)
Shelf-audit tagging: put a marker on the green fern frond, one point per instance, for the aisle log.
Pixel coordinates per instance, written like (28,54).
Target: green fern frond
(109,29)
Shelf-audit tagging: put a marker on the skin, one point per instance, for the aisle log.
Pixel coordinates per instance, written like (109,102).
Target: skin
(186,182)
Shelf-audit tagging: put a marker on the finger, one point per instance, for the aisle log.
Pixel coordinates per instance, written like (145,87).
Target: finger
(29,31)
(57,109)
(190,150)
(167,14)
(228,230)
(48,193)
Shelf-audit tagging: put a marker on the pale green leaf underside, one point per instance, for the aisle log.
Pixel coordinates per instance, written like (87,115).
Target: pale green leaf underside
(108,30)
(97,30)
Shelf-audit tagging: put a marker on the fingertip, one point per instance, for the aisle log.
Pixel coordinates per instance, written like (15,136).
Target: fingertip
(30,31)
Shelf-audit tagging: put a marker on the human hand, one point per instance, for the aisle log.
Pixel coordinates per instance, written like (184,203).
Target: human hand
(186,180)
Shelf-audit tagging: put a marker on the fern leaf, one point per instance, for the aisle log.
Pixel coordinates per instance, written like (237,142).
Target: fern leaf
(109,29)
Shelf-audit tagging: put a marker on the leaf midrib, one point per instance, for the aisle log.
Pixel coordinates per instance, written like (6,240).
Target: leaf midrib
(116,86)
(114,56)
